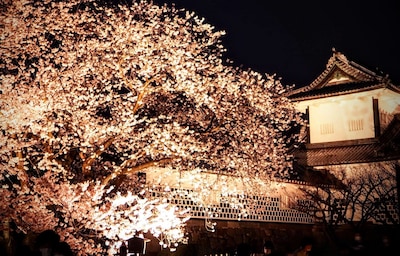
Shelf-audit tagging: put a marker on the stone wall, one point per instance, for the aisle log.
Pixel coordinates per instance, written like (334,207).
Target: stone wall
(229,235)
(286,237)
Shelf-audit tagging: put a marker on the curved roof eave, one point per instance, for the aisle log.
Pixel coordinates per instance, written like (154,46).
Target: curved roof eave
(343,75)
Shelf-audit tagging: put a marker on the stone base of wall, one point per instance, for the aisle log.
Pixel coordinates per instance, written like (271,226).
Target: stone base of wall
(229,235)
(286,237)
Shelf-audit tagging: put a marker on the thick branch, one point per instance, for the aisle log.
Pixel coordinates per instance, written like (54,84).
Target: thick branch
(22,174)
(89,161)
(142,94)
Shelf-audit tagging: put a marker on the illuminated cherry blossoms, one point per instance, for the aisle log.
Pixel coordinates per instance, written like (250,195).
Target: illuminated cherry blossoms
(92,94)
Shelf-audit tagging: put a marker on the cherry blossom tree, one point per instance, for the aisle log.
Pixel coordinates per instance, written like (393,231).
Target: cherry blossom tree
(358,194)
(92,93)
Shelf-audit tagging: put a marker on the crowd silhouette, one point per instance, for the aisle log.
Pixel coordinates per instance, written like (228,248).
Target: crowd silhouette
(46,243)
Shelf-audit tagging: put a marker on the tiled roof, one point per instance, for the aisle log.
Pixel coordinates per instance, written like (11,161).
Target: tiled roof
(342,76)
(338,155)
(336,90)
(387,147)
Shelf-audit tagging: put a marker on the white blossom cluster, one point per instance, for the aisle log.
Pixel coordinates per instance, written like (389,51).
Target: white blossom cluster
(93,93)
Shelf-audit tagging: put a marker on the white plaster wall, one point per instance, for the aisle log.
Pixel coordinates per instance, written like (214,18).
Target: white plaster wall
(347,117)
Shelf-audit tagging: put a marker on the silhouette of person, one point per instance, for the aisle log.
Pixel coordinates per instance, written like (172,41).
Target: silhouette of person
(62,249)
(305,247)
(357,248)
(386,247)
(123,250)
(46,242)
(269,249)
(244,249)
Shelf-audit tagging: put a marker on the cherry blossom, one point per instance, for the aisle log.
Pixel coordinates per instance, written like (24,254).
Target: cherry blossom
(93,93)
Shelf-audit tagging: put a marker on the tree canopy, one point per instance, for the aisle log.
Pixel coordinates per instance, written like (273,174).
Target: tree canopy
(94,92)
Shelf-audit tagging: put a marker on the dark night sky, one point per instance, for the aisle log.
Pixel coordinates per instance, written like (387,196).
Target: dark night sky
(294,39)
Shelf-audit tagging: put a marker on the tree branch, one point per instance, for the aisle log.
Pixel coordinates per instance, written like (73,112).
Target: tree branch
(89,161)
